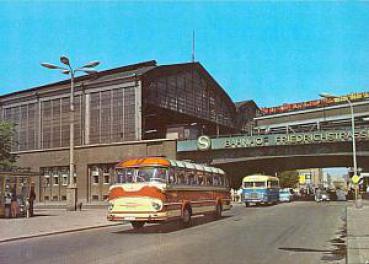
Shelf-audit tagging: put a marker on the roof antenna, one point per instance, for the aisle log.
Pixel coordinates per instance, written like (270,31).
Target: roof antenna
(193,46)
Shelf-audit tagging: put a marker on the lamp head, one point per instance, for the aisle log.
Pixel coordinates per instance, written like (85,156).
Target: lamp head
(327,95)
(91,64)
(50,66)
(64,60)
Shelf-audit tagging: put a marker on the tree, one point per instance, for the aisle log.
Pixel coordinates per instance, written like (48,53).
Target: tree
(7,159)
(288,179)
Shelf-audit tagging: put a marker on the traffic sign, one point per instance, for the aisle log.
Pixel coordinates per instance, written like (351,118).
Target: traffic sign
(355,179)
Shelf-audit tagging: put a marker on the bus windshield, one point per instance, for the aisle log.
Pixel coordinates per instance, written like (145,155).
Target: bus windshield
(142,174)
(152,174)
(259,184)
(254,185)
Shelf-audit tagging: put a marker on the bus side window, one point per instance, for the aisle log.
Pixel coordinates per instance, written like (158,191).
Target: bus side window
(190,178)
(180,176)
(216,180)
(209,179)
(195,178)
(172,176)
(221,180)
(226,181)
(200,178)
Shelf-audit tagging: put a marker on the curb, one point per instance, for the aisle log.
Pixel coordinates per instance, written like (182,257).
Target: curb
(58,232)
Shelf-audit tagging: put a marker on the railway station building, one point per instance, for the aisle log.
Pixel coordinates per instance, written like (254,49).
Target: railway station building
(131,111)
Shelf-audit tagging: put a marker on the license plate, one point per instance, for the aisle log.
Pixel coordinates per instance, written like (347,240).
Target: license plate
(129,218)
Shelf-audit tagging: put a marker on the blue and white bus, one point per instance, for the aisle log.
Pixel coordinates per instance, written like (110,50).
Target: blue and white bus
(260,189)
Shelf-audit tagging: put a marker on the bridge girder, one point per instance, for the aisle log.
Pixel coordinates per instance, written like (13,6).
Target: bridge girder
(244,161)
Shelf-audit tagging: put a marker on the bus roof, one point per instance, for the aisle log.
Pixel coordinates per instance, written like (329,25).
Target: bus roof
(163,162)
(258,177)
(143,162)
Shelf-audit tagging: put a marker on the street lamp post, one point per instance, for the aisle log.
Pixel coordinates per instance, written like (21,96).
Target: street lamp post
(325,95)
(87,68)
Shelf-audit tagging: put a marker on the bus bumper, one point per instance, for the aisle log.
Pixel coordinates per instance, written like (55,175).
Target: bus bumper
(253,201)
(146,217)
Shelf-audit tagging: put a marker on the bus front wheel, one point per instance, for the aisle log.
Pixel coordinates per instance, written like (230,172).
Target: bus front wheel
(137,224)
(247,204)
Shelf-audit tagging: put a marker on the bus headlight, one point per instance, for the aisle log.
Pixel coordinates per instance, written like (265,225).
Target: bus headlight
(157,206)
(110,206)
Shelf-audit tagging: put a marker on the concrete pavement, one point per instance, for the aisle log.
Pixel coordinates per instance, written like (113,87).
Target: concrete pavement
(48,222)
(358,234)
(301,232)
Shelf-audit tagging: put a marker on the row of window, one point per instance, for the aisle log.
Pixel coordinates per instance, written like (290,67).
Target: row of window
(57,180)
(112,115)
(26,118)
(189,177)
(55,198)
(172,175)
(64,197)
(261,184)
(56,176)
(111,119)
(188,92)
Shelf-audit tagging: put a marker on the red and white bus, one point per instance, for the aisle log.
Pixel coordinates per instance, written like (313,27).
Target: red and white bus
(155,189)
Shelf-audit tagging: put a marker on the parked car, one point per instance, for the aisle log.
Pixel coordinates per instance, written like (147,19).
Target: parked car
(285,195)
(323,196)
(341,195)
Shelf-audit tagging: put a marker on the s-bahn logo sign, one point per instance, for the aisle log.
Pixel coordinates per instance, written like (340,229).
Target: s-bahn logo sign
(204,143)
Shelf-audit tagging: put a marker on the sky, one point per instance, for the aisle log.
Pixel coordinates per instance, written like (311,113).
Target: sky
(269,52)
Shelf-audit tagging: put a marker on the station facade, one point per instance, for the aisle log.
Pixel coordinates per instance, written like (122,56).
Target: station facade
(131,111)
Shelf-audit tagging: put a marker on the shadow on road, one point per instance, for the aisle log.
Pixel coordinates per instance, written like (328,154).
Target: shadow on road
(338,251)
(169,227)
(23,216)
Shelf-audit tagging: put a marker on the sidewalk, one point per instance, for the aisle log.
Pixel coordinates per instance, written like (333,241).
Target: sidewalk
(358,234)
(47,222)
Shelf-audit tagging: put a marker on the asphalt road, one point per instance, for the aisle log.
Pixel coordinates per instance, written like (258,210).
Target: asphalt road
(300,232)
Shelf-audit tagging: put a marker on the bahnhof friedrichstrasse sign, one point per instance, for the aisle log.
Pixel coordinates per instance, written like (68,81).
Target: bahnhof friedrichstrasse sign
(206,143)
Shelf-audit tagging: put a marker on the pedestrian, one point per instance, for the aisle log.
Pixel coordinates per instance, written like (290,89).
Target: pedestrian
(31,198)
(8,201)
(318,195)
(27,208)
(13,204)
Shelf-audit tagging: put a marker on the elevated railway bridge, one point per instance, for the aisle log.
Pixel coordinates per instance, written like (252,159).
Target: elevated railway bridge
(241,155)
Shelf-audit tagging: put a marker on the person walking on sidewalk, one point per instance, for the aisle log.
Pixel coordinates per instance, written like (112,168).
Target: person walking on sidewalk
(31,198)
(8,201)
(318,195)
(13,204)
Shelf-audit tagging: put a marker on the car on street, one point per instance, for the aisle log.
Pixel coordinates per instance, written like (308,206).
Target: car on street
(285,195)
(323,196)
(341,195)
